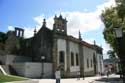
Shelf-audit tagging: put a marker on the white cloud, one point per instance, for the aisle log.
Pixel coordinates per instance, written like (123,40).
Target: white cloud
(83,21)
(85,10)
(10,28)
(29,32)
(108,4)
(39,19)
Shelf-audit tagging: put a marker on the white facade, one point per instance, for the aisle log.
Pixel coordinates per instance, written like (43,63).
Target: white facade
(74,48)
(100,65)
(61,45)
(88,57)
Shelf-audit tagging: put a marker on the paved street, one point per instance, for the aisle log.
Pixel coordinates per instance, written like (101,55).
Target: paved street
(97,79)
(111,79)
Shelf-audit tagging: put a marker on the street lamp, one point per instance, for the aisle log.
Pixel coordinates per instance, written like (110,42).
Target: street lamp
(118,32)
(119,40)
(42,59)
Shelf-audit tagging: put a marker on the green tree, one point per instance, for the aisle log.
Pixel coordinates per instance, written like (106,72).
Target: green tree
(113,17)
(121,8)
(3,37)
(111,54)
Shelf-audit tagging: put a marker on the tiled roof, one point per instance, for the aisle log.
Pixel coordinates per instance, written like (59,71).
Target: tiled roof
(81,42)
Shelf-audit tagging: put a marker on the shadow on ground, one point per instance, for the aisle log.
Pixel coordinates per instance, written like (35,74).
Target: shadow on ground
(110,80)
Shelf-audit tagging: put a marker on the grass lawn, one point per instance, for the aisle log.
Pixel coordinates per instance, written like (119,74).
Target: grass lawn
(5,78)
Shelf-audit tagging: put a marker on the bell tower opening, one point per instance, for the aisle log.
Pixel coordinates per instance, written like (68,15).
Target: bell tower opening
(60,25)
(19,32)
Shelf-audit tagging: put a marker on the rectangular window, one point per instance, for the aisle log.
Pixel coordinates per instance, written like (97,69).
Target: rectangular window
(77,59)
(61,57)
(72,59)
(87,63)
(91,63)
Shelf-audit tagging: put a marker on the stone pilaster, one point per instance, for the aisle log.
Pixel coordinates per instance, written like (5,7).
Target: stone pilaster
(68,58)
(54,53)
(81,58)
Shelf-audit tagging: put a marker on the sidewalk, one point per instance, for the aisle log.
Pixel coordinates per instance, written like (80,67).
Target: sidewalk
(71,80)
(96,79)
(111,79)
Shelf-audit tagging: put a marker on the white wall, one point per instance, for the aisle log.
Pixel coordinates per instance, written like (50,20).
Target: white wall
(88,54)
(98,63)
(100,68)
(61,45)
(102,64)
(74,47)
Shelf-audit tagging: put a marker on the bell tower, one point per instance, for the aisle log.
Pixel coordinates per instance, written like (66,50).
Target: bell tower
(60,25)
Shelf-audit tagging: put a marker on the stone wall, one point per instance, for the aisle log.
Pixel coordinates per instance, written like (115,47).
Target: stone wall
(10,59)
(27,81)
(12,43)
(89,73)
(39,45)
(33,70)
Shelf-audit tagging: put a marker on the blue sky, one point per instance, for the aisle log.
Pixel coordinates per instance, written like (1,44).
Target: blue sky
(82,15)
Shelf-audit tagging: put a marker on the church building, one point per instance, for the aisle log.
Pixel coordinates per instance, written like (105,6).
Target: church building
(54,48)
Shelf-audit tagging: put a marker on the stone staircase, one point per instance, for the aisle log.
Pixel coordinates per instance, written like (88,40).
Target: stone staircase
(8,69)
(2,70)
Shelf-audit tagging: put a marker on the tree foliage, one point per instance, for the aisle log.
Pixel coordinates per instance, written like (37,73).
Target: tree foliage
(113,17)
(121,8)
(3,37)
(111,54)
